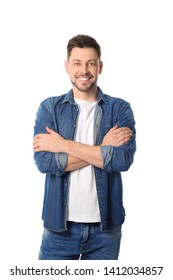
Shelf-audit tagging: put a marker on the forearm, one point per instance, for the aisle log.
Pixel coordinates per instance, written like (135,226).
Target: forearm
(93,155)
(74,163)
(85,153)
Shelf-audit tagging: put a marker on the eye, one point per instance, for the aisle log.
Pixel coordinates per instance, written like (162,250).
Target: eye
(91,64)
(76,64)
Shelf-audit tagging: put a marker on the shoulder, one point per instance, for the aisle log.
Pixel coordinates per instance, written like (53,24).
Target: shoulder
(48,105)
(116,103)
(52,100)
(109,99)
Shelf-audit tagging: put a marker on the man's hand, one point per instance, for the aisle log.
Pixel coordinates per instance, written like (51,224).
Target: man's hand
(49,142)
(117,136)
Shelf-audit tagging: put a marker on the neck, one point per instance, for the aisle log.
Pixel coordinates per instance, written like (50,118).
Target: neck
(87,96)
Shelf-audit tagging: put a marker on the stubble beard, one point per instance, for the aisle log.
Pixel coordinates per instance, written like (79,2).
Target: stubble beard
(84,89)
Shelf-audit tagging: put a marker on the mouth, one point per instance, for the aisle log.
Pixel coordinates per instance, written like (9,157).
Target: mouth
(84,79)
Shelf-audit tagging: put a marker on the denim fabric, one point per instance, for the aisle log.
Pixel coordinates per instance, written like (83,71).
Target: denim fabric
(81,241)
(60,114)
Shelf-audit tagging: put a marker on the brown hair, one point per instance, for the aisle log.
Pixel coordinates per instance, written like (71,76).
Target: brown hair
(83,41)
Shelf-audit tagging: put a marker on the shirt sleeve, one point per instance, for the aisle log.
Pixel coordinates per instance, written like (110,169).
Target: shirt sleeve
(47,162)
(106,153)
(118,159)
(61,159)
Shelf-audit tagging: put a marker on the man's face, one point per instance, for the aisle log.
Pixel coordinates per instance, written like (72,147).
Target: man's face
(83,68)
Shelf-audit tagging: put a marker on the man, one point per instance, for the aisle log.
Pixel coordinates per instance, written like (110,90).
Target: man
(83,141)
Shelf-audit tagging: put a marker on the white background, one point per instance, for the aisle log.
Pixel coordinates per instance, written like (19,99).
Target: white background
(136,39)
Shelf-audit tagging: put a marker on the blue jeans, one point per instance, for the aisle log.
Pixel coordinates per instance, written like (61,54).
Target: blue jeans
(84,241)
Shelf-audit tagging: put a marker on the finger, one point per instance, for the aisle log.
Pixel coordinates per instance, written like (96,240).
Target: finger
(121,142)
(49,130)
(39,149)
(124,138)
(40,135)
(115,127)
(124,135)
(36,136)
(123,131)
(36,144)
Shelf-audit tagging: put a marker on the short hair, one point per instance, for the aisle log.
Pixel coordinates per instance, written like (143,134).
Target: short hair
(83,41)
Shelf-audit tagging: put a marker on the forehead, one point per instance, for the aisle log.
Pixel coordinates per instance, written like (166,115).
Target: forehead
(83,54)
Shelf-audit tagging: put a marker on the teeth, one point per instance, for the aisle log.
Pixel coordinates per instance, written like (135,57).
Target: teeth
(83,79)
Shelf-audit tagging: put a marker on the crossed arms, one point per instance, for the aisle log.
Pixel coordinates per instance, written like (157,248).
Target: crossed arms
(80,155)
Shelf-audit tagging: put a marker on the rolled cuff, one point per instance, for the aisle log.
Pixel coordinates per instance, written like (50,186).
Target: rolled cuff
(106,153)
(61,159)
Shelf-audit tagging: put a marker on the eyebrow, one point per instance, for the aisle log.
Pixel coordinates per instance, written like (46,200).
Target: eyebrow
(75,59)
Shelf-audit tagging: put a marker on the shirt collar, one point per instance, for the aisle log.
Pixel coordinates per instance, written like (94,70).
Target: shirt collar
(69,97)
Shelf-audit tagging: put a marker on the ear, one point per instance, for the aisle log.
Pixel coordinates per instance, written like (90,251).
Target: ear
(66,66)
(100,67)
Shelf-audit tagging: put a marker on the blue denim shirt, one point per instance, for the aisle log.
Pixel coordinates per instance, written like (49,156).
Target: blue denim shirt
(60,114)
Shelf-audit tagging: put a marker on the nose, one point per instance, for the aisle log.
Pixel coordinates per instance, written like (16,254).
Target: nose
(84,68)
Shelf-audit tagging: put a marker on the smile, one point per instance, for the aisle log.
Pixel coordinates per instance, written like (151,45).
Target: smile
(83,78)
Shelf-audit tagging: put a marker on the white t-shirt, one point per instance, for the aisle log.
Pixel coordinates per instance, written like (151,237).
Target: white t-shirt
(83,201)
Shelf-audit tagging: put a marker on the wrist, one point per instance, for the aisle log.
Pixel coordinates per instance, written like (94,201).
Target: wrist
(66,146)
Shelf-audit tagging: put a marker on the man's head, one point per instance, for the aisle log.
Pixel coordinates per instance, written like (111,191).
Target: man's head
(83,64)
